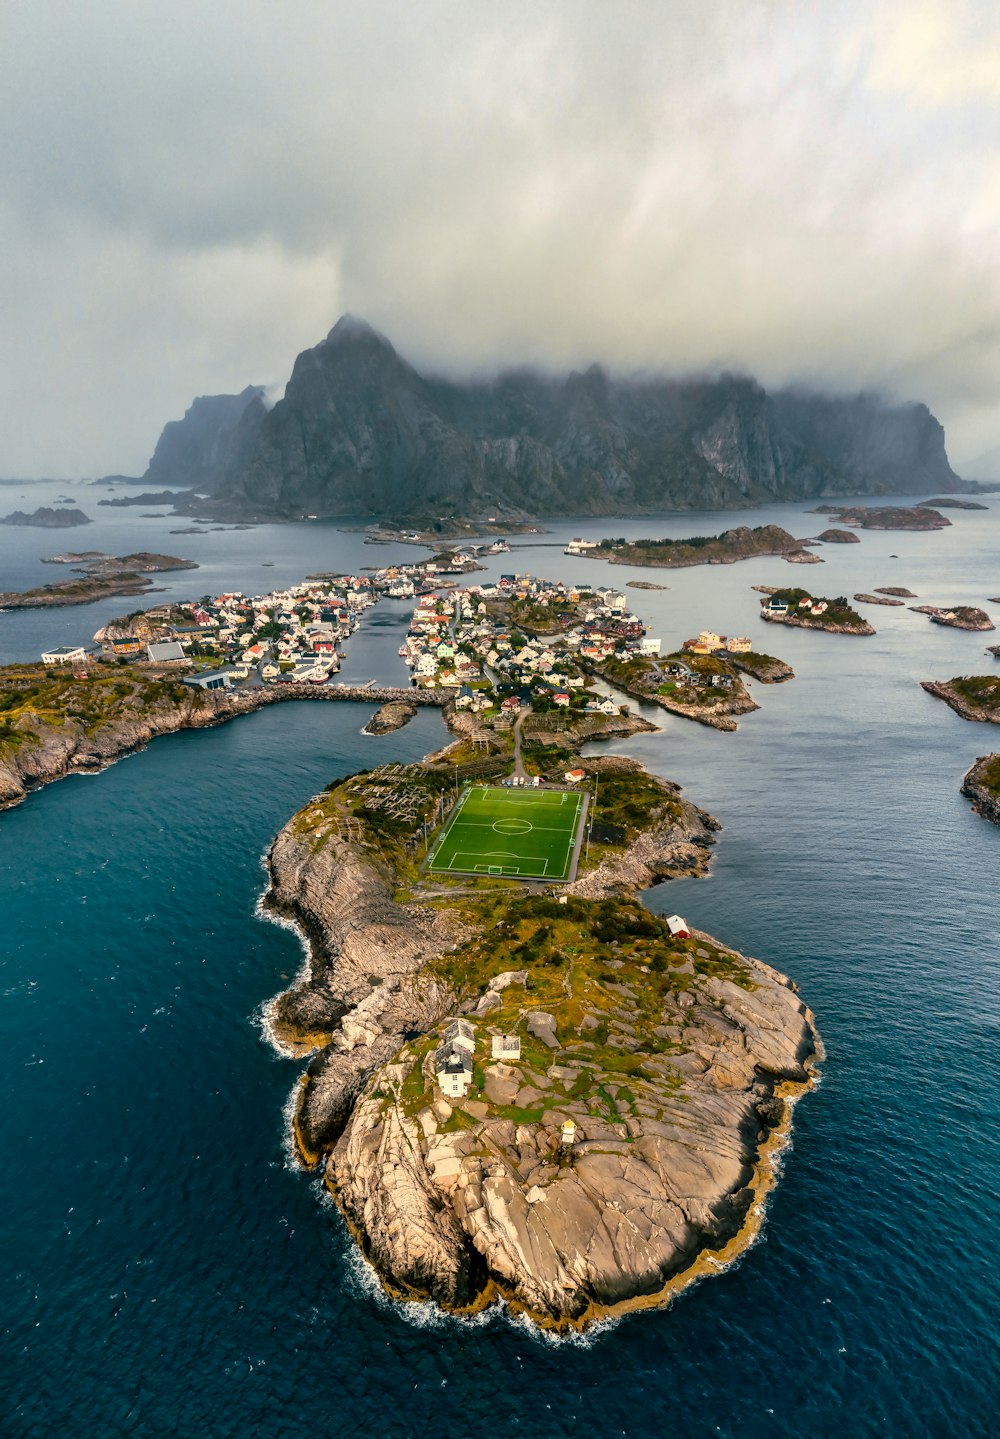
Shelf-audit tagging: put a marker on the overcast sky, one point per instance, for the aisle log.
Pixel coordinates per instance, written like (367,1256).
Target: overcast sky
(191,193)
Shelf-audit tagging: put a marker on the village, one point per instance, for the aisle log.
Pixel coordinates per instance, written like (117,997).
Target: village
(522,642)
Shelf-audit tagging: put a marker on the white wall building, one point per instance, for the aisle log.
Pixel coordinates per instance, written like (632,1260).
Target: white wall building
(65,655)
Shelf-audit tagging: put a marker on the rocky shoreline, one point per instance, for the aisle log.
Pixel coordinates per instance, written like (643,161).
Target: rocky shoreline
(55,751)
(946,690)
(980,785)
(479,1200)
(765,668)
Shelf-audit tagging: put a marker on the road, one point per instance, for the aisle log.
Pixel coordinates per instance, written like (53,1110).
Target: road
(518,766)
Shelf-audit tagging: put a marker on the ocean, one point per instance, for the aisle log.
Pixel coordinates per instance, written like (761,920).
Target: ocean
(168,1270)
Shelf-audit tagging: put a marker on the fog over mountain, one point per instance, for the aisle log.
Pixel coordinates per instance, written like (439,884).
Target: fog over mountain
(801,192)
(361,431)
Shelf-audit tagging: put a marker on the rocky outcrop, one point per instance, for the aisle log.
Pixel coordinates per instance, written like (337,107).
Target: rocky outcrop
(961,617)
(663,1172)
(765,668)
(357,1000)
(193,453)
(950,503)
(360,431)
(839,537)
(46,518)
(676,846)
(891,517)
(974,697)
(798,622)
(982,785)
(391,716)
(864,599)
(555,1185)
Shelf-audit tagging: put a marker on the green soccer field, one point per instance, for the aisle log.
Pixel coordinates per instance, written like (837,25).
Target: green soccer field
(511,834)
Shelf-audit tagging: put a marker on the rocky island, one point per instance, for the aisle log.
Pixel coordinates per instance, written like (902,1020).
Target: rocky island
(863,599)
(960,617)
(839,537)
(888,517)
(102,576)
(46,518)
(802,610)
(950,503)
(540,1094)
(742,543)
(982,786)
(391,716)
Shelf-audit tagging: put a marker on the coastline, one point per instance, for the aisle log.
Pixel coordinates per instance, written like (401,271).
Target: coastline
(985,797)
(945,690)
(68,749)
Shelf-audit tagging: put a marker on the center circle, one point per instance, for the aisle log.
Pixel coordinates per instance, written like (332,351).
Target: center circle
(511,826)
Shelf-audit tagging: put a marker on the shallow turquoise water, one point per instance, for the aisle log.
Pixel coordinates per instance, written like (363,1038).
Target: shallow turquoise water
(167,1272)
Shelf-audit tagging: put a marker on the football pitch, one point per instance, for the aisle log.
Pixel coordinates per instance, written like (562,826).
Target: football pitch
(511,834)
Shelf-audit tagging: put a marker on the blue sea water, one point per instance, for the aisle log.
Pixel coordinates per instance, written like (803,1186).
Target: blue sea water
(165,1268)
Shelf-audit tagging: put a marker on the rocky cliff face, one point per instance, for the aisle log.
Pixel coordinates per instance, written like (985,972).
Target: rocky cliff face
(501,1203)
(196,451)
(360,431)
(980,785)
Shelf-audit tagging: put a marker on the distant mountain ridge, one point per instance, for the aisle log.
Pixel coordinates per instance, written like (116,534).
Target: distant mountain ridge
(360,432)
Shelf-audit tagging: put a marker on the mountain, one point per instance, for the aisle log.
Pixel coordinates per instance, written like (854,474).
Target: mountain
(360,432)
(194,452)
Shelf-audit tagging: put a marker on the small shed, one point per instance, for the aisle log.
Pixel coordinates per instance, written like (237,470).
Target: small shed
(678,927)
(506,1046)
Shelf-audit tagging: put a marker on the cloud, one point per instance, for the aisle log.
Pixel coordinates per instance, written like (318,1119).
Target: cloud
(190,194)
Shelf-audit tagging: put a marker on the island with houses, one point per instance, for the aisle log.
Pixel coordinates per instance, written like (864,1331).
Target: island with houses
(521,1084)
(799,609)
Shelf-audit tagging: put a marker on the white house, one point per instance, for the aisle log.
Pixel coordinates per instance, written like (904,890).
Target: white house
(453,1069)
(65,655)
(453,1062)
(678,927)
(461,1033)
